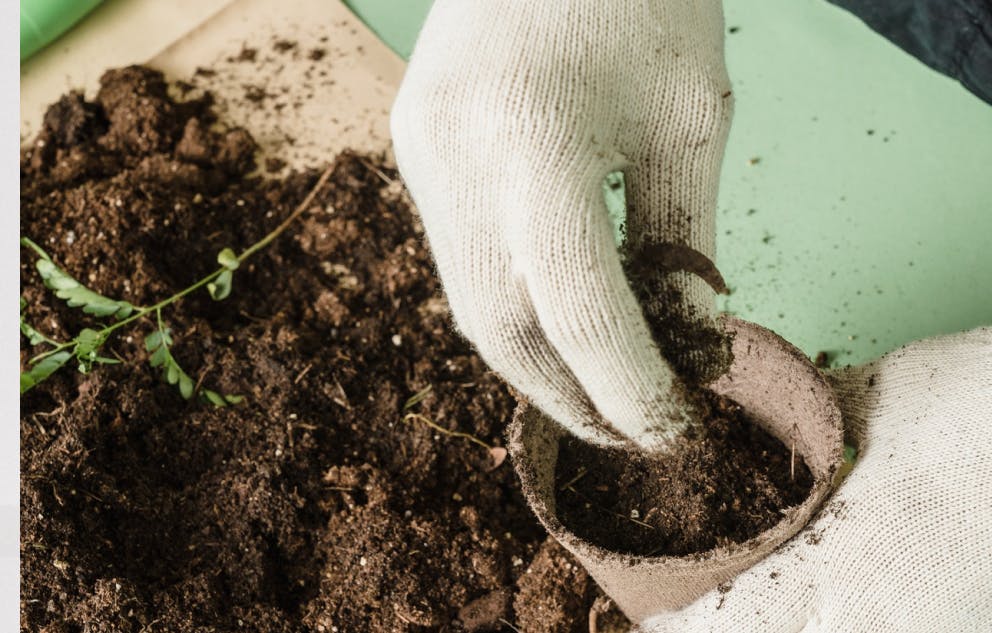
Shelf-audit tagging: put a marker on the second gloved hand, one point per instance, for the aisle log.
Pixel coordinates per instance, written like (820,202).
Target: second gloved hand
(509,119)
(905,544)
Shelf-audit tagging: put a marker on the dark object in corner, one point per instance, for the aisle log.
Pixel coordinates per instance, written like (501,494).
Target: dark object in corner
(954,38)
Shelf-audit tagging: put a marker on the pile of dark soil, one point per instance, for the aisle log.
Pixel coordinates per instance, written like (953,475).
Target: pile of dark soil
(319,503)
(723,483)
(312,506)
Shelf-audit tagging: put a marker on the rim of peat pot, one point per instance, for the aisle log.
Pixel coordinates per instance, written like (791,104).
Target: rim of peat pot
(781,391)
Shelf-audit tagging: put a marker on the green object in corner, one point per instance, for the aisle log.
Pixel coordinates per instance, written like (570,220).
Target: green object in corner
(396,23)
(43,21)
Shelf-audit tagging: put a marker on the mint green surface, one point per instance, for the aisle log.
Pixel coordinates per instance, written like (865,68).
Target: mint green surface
(858,242)
(42,21)
(397,23)
(838,238)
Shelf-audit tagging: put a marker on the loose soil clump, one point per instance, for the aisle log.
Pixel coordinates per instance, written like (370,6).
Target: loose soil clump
(317,504)
(721,484)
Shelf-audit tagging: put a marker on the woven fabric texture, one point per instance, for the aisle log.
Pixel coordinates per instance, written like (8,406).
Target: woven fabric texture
(509,119)
(905,545)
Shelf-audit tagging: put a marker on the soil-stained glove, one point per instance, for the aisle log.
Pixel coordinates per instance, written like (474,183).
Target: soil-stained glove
(905,545)
(509,118)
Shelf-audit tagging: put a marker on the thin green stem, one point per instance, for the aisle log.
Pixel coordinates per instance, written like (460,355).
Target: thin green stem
(56,349)
(157,308)
(50,341)
(137,315)
(37,249)
(44,338)
(248,252)
(164,302)
(303,206)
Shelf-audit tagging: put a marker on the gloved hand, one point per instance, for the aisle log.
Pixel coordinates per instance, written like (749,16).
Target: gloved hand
(509,118)
(905,545)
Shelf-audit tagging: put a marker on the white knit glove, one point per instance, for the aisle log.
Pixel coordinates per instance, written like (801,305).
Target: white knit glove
(905,545)
(509,118)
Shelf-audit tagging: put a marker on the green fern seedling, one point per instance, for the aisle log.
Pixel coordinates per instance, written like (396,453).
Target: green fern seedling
(86,346)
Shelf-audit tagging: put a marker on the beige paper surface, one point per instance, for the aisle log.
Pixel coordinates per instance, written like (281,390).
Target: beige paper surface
(330,90)
(117,33)
(319,82)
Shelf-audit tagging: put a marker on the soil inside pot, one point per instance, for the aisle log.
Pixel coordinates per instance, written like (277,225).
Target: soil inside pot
(315,505)
(721,484)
